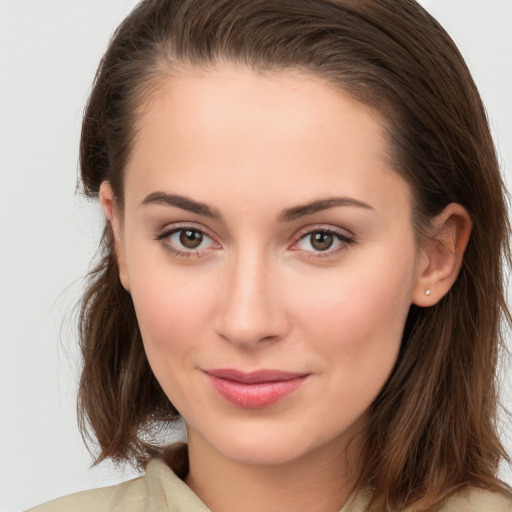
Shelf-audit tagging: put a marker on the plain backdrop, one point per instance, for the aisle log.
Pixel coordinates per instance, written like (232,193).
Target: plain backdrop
(49,51)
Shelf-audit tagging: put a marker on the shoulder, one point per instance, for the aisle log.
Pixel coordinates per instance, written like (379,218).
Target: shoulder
(128,496)
(476,500)
(469,500)
(161,488)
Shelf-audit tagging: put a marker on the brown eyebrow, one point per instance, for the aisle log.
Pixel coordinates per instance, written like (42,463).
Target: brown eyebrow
(182,202)
(288,215)
(320,205)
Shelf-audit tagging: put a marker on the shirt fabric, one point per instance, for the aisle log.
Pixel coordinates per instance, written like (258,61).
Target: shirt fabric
(162,490)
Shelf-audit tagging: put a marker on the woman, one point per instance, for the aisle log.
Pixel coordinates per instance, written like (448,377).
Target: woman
(304,218)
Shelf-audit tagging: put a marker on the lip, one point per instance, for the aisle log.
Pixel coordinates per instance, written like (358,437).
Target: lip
(254,390)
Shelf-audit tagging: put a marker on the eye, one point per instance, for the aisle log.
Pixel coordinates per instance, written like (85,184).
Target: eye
(188,238)
(186,241)
(323,241)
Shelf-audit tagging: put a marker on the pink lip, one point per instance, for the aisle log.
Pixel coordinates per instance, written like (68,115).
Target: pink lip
(253,390)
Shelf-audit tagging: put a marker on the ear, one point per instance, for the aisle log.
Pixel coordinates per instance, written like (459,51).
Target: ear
(441,257)
(112,215)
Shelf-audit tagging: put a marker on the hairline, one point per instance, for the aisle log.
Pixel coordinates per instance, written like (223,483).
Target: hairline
(166,69)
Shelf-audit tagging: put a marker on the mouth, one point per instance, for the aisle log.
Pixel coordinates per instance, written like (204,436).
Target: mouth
(254,390)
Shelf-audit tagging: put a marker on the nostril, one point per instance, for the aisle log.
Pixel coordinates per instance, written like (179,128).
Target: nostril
(246,337)
(252,327)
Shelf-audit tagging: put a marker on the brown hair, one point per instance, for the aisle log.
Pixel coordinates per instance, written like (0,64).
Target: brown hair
(432,429)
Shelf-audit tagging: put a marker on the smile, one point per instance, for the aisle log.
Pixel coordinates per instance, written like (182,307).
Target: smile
(254,390)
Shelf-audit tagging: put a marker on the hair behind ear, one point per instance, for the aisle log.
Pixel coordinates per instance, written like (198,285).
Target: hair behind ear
(118,395)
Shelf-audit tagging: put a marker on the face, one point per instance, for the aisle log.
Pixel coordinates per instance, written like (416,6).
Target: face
(268,247)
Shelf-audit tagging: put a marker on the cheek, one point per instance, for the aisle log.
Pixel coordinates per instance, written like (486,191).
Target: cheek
(355,304)
(172,311)
(355,322)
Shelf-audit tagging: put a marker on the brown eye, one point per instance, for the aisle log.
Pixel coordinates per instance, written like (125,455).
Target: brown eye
(190,238)
(187,241)
(321,240)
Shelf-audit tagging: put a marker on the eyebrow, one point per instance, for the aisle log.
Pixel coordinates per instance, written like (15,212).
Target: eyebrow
(290,214)
(181,202)
(320,205)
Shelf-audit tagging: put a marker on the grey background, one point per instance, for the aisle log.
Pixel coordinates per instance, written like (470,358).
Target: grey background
(48,55)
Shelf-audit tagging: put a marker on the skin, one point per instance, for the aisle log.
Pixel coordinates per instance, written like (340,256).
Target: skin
(257,293)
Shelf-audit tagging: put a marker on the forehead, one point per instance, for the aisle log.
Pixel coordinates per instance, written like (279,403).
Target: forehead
(232,128)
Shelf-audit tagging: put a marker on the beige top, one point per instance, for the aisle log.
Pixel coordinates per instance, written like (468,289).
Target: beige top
(162,490)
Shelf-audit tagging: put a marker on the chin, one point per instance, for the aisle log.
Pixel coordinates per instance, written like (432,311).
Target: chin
(262,452)
(274,444)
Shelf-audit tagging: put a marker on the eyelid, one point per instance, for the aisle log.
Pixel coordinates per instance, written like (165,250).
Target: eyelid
(345,236)
(170,229)
(328,228)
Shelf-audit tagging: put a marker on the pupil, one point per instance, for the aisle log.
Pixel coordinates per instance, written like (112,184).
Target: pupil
(322,241)
(191,239)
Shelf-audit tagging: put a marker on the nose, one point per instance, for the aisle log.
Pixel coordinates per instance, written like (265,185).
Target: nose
(251,305)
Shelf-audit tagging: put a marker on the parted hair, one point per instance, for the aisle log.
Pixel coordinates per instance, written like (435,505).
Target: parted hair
(432,430)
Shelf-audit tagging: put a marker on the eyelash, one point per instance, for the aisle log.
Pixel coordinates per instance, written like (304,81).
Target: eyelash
(345,240)
(163,240)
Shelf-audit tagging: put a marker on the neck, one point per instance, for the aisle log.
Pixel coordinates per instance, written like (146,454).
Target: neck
(319,481)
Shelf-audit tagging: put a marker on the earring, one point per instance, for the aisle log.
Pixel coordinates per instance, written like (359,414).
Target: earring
(427,292)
